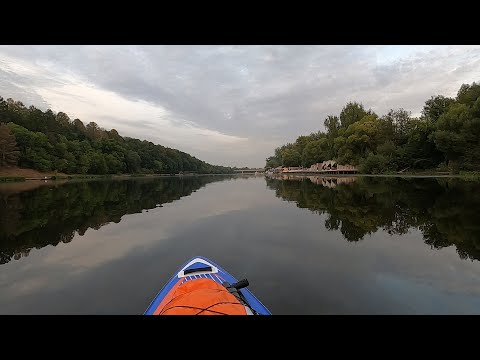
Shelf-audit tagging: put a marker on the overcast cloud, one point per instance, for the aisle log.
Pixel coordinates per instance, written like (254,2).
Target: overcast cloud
(229,105)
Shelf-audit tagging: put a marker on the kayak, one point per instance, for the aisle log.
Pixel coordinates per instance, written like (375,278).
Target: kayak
(201,287)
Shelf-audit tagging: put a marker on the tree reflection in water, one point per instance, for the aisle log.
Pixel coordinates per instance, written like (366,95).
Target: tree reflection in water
(445,210)
(34,215)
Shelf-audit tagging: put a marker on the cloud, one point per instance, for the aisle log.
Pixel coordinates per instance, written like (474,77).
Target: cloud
(229,105)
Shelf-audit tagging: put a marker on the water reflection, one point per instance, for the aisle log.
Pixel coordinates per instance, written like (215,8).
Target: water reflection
(275,238)
(37,214)
(444,210)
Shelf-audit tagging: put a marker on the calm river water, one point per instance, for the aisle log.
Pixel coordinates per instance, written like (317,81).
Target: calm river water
(311,245)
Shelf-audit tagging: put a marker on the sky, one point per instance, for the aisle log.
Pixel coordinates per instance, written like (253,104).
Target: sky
(227,104)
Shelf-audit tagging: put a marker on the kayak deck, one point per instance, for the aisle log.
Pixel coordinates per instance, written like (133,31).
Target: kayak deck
(201,287)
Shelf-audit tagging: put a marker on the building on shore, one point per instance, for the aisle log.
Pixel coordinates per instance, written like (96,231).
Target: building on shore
(331,165)
(326,167)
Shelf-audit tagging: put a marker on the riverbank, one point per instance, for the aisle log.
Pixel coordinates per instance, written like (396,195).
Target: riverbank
(470,176)
(15,174)
(21,175)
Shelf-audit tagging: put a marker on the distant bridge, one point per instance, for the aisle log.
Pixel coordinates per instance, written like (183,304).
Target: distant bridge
(250,171)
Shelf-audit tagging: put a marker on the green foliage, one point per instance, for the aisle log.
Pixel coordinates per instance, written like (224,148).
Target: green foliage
(315,151)
(351,113)
(396,125)
(133,161)
(468,94)
(436,106)
(448,132)
(9,152)
(52,142)
(457,133)
(291,157)
(374,164)
(272,162)
(386,149)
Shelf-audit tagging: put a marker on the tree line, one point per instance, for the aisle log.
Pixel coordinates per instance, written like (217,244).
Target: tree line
(48,141)
(445,136)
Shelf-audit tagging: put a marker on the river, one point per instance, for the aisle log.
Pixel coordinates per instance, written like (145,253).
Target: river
(307,245)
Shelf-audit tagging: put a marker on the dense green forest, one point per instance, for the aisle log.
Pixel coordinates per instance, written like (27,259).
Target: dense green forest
(41,217)
(444,210)
(445,136)
(48,141)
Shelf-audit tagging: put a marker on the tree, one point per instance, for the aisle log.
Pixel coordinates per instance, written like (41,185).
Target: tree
(114,164)
(332,125)
(158,167)
(315,151)
(420,150)
(373,164)
(133,162)
(83,164)
(78,124)
(448,137)
(362,136)
(436,106)
(301,142)
(113,134)
(63,119)
(98,164)
(93,131)
(9,152)
(468,94)
(351,113)
(272,162)
(400,120)
(291,157)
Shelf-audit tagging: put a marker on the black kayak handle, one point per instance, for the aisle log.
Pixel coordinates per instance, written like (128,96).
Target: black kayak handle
(205,268)
(236,286)
(240,284)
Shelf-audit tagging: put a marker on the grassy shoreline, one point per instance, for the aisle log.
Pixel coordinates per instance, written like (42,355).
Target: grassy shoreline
(4,179)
